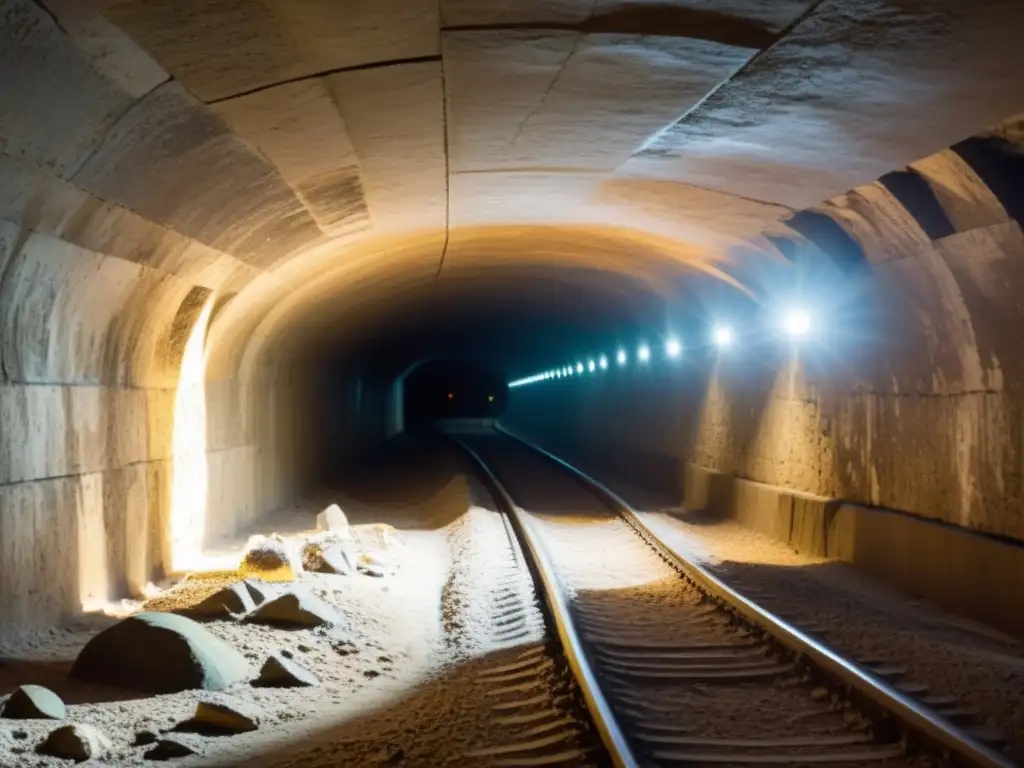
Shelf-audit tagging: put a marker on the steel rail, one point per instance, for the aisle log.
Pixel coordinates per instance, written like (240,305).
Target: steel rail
(914,717)
(557,608)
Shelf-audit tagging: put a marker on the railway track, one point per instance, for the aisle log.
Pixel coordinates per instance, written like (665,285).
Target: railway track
(677,668)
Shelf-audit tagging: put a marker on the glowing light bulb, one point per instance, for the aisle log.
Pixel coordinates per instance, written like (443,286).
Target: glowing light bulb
(796,322)
(620,357)
(591,366)
(722,336)
(603,362)
(673,348)
(643,354)
(579,367)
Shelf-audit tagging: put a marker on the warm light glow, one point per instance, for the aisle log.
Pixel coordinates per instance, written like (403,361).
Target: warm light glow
(451,396)
(490,398)
(643,354)
(796,322)
(189,468)
(722,336)
(603,362)
(673,348)
(620,358)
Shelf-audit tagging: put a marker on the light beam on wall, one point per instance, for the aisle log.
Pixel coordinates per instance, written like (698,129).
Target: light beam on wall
(190,474)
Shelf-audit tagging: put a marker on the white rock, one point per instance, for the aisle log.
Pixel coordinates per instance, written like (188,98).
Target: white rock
(332,519)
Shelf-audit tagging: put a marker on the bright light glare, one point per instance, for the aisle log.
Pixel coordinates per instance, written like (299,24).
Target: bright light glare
(722,336)
(603,362)
(796,322)
(673,348)
(620,358)
(644,353)
(579,367)
(591,366)
(189,460)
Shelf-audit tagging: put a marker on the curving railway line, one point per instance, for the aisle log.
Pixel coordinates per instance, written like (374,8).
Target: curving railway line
(674,666)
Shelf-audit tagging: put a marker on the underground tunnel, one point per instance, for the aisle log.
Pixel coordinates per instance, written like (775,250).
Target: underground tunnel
(472,383)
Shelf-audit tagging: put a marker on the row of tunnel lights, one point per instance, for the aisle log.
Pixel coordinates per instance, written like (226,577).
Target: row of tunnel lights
(795,324)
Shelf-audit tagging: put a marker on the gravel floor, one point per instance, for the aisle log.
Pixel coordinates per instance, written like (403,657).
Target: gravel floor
(622,591)
(865,619)
(406,679)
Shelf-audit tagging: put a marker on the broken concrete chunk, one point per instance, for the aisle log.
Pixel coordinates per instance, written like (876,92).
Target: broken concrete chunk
(160,653)
(172,745)
(270,559)
(234,599)
(281,672)
(329,556)
(222,716)
(76,742)
(332,519)
(261,591)
(375,537)
(33,702)
(297,607)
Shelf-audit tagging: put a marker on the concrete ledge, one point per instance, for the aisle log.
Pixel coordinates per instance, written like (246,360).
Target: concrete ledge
(969,573)
(972,574)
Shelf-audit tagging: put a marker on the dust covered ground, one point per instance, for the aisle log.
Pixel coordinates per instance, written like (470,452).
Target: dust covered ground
(862,618)
(400,675)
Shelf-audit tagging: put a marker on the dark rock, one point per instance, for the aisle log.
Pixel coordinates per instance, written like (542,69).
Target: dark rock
(76,742)
(34,702)
(142,738)
(297,607)
(160,653)
(235,599)
(173,745)
(281,672)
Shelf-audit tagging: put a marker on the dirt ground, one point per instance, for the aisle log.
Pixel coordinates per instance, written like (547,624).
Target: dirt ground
(399,676)
(862,618)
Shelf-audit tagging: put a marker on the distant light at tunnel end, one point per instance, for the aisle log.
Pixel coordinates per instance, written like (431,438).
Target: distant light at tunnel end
(796,322)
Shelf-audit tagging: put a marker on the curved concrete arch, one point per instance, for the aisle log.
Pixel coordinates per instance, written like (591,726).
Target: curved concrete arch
(197,210)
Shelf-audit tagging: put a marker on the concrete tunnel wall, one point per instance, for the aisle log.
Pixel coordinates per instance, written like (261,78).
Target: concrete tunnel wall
(172,221)
(913,401)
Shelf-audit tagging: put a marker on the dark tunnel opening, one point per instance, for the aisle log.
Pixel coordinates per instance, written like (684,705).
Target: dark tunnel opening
(453,389)
(758,270)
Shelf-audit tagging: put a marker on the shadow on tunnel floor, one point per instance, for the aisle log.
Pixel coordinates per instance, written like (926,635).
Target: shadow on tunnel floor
(415,480)
(426,723)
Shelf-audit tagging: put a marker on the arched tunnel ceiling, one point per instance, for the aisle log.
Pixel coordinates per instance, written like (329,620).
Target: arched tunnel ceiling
(292,155)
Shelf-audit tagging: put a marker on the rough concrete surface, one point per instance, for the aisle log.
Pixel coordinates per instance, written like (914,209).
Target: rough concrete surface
(197,200)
